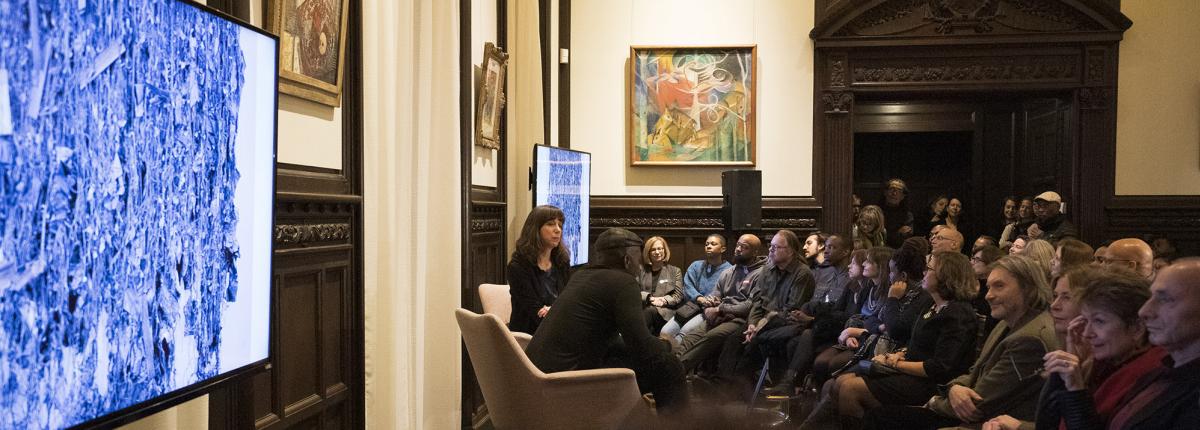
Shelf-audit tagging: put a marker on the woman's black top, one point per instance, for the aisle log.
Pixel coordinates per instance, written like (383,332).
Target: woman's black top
(531,288)
(944,341)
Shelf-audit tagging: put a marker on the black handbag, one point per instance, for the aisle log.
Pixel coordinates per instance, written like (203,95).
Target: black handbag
(686,311)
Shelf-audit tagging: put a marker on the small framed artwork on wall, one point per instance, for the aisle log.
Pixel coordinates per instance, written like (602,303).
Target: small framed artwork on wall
(692,106)
(312,45)
(489,102)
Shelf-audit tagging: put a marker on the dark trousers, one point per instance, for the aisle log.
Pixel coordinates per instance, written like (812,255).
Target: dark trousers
(906,417)
(697,347)
(659,373)
(768,342)
(801,352)
(654,320)
(829,361)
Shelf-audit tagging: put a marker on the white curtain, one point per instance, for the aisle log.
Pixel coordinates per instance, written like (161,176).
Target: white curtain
(411,211)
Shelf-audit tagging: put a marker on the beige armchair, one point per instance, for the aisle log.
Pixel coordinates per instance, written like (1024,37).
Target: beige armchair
(496,301)
(519,396)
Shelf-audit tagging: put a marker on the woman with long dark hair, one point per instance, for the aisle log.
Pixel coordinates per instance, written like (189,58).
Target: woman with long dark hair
(537,271)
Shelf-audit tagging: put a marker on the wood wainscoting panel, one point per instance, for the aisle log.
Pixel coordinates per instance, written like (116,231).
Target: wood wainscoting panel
(1174,217)
(685,222)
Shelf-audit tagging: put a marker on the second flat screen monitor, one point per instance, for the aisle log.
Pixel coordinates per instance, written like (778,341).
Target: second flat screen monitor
(563,179)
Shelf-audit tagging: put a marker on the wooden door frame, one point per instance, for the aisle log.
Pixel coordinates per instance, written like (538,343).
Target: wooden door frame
(849,65)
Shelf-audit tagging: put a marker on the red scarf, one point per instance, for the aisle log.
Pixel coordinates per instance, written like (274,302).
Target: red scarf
(1116,387)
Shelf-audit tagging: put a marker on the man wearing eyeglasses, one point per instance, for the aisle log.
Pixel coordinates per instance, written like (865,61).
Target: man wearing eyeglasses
(1132,253)
(946,239)
(1052,225)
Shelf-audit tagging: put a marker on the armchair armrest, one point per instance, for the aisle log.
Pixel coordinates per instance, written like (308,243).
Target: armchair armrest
(522,339)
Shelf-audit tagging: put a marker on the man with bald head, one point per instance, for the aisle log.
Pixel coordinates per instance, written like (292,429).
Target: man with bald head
(946,239)
(1166,398)
(727,306)
(1132,253)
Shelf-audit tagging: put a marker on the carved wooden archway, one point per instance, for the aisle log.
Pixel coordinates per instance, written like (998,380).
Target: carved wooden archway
(932,47)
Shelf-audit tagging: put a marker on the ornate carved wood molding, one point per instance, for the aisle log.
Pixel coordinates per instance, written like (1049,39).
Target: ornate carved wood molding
(303,234)
(1094,98)
(933,18)
(485,225)
(838,102)
(958,70)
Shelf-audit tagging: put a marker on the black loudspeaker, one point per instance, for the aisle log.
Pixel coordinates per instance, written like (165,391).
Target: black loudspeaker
(742,193)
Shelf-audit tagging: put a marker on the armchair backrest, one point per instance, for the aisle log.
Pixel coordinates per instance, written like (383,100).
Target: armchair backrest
(496,301)
(506,376)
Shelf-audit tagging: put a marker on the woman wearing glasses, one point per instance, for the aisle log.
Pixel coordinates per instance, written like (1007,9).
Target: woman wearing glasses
(941,347)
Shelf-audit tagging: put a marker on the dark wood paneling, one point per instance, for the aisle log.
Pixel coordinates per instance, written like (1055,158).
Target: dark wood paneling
(1174,217)
(298,300)
(686,221)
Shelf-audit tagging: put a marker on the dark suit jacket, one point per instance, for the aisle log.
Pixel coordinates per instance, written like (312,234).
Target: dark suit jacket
(1005,374)
(527,294)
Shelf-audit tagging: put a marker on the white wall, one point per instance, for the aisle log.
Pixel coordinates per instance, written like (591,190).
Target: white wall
(601,34)
(524,110)
(1158,106)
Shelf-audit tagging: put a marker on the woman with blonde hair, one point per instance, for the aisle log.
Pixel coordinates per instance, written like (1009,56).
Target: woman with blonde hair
(1040,251)
(870,227)
(662,284)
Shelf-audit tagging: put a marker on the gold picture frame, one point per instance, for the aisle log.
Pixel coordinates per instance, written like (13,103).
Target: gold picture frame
(489,103)
(312,47)
(692,105)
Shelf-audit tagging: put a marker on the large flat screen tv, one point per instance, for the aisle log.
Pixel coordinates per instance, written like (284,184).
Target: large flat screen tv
(137,166)
(563,178)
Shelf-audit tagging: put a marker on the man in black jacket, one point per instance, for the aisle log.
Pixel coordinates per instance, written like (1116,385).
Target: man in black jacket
(1052,225)
(597,322)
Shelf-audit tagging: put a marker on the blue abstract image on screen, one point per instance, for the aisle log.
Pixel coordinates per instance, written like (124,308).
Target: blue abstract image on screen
(564,180)
(136,168)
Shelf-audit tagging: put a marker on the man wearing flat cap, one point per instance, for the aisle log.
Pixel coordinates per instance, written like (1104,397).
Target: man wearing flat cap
(597,322)
(1052,225)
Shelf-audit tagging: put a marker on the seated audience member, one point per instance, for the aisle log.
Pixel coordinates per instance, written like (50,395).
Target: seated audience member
(1011,218)
(1086,385)
(1164,252)
(597,322)
(1040,251)
(983,240)
(699,280)
(942,346)
(955,218)
(727,306)
(870,297)
(662,284)
(814,249)
(855,207)
(899,220)
(935,214)
(1098,256)
(826,313)
(1131,253)
(946,240)
(981,263)
(870,228)
(1052,225)
(784,285)
(537,271)
(1004,379)
(1064,306)
(1068,254)
(1018,245)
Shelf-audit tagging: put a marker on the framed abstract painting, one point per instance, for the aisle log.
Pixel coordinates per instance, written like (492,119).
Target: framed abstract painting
(692,106)
(312,45)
